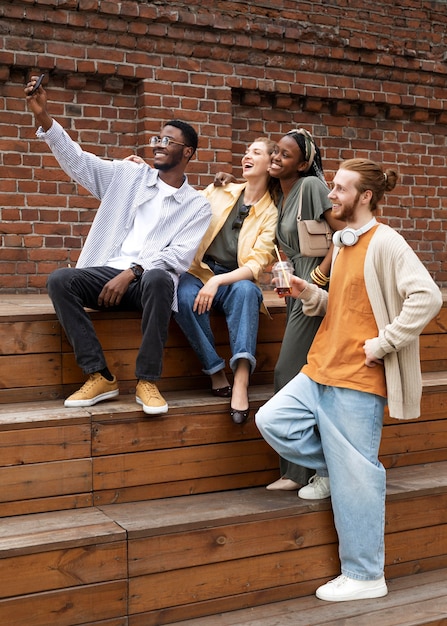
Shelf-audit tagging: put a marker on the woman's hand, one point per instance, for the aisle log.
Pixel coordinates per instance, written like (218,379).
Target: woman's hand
(205,297)
(135,159)
(222,178)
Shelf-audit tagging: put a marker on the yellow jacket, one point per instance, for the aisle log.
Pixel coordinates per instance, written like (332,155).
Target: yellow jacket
(256,238)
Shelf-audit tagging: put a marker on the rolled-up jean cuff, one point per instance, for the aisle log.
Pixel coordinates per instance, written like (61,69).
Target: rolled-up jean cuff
(243,355)
(215,369)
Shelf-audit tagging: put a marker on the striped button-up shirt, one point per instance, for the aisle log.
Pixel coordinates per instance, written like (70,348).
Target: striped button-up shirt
(122,186)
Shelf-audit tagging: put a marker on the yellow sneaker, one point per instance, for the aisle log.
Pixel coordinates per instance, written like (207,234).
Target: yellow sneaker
(95,389)
(150,398)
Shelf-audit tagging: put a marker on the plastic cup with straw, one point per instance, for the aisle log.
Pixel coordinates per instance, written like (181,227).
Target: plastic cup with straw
(281,271)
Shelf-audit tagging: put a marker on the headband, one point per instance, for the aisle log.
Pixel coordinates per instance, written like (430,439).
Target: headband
(309,144)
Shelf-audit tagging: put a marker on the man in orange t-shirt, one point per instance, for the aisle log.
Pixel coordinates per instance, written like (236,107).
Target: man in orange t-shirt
(364,355)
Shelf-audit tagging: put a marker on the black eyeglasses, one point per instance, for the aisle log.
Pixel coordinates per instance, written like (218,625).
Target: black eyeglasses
(164,142)
(241,215)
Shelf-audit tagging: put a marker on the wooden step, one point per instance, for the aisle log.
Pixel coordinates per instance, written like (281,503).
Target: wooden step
(417,600)
(62,568)
(218,552)
(163,561)
(54,458)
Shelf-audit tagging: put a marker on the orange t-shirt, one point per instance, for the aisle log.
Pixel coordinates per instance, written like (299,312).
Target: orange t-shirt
(336,357)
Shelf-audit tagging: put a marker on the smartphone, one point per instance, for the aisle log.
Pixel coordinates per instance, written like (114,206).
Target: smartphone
(37,85)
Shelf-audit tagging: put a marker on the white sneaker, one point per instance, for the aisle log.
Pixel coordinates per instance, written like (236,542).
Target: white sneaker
(317,488)
(343,589)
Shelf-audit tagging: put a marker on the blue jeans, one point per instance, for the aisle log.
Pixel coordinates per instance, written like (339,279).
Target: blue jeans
(337,432)
(239,303)
(72,289)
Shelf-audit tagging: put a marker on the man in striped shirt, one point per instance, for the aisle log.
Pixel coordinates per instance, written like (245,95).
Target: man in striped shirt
(145,233)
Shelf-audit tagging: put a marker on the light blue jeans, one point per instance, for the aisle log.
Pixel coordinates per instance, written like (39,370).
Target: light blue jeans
(239,303)
(337,432)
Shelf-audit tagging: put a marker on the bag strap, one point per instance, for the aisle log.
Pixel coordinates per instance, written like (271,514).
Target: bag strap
(328,229)
(300,203)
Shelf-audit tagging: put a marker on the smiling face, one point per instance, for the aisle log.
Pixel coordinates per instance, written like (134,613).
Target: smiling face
(345,196)
(173,155)
(256,161)
(287,161)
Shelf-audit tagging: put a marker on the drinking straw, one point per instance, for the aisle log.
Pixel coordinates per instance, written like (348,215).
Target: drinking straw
(283,270)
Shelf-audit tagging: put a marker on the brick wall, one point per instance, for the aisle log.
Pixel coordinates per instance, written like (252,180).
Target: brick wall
(367,79)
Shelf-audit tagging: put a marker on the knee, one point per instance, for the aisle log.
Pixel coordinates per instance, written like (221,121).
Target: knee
(157,281)
(248,293)
(57,280)
(261,420)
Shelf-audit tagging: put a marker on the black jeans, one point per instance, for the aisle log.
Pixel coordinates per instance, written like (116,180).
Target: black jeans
(72,289)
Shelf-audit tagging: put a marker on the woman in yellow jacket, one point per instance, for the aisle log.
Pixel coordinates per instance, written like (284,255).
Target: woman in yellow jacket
(237,247)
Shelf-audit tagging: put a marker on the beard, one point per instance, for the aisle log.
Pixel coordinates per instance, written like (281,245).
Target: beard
(169,165)
(347,211)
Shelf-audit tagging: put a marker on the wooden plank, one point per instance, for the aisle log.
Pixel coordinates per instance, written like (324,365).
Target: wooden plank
(22,307)
(120,435)
(28,534)
(29,337)
(196,584)
(177,363)
(40,415)
(184,514)
(223,543)
(413,436)
(399,608)
(52,503)
(45,479)
(42,445)
(437,324)
(256,604)
(116,621)
(24,395)
(433,347)
(413,458)
(190,487)
(67,607)
(161,466)
(415,512)
(30,370)
(59,569)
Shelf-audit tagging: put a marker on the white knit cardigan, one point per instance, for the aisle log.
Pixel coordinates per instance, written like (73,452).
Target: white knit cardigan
(404,298)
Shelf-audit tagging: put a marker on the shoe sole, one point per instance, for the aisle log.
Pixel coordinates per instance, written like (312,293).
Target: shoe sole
(314,497)
(103,396)
(366,594)
(149,410)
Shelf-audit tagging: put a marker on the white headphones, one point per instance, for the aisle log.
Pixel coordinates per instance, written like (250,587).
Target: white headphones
(350,236)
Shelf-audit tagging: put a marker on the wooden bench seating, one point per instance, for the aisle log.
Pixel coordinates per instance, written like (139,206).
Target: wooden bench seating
(110,518)
(38,364)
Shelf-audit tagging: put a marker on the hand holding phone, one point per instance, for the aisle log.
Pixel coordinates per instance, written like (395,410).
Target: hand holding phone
(37,85)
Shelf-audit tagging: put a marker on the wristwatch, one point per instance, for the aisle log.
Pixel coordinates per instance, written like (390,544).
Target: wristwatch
(137,271)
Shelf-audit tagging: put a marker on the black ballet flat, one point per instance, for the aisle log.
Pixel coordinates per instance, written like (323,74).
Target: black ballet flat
(239,417)
(222,392)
